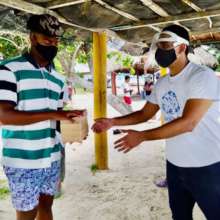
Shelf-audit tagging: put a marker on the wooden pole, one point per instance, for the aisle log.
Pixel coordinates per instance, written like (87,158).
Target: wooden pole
(138,84)
(113,79)
(100,104)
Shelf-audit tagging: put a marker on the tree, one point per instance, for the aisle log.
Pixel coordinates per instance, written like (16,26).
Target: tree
(12,43)
(125,60)
(72,51)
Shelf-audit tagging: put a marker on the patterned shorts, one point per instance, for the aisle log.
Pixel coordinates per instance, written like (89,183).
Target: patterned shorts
(26,185)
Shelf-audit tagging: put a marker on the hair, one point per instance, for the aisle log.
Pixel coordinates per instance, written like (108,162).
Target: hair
(180,31)
(45,24)
(127,77)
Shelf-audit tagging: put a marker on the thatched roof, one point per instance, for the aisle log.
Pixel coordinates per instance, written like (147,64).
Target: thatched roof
(132,20)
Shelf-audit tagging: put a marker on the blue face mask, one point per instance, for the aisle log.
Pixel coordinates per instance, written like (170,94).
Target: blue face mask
(165,57)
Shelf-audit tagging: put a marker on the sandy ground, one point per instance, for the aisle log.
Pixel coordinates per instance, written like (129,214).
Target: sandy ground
(124,192)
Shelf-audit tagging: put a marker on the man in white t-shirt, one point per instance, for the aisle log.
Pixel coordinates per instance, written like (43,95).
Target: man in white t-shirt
(189,102)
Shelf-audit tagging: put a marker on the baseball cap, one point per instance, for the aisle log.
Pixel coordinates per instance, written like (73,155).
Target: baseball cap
(45,24)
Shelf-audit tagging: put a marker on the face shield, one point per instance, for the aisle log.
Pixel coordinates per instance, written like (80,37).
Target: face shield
(162,48)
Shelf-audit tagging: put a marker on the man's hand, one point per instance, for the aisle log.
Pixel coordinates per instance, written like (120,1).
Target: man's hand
(131,140)
(69,115)
(102,124)
(10,116)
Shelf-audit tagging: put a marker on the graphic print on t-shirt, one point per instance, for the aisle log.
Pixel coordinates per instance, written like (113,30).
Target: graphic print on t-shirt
(170,106)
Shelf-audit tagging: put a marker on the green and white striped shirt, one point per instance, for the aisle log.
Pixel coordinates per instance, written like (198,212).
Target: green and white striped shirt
(30,89)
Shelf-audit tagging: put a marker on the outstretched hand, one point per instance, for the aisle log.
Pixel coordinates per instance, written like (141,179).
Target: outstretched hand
(131,140)
(102,124)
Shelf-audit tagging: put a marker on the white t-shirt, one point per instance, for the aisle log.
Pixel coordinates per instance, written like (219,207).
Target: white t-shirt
(126,86)
(201,147)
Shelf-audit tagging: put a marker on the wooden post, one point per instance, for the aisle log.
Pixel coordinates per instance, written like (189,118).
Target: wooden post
(100,104)
(113,79)
(138,84)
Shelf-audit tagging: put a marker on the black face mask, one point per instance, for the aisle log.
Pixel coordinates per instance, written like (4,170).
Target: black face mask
(165,57)
(47,52)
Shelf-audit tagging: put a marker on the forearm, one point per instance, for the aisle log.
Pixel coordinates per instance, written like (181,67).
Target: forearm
(171,129)
(23,118)
(131,119)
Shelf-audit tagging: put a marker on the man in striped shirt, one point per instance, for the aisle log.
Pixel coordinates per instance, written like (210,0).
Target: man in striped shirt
(31,96)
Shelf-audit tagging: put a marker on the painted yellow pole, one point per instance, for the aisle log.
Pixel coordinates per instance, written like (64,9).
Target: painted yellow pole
(100,87)
(163,72)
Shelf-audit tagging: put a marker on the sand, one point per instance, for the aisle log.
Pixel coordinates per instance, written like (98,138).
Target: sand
(124,192)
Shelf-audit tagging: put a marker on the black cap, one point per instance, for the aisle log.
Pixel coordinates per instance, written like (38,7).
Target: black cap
(45,24)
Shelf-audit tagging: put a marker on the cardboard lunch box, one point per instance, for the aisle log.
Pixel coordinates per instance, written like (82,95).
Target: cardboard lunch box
(76,131)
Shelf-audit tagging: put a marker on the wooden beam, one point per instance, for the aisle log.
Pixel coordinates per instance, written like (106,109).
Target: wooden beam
(192,34)
(155,28)
(36,9)
(206,31)
(63,3)
(155,8)
(210,22)
(192,5)
(172,19)
(205,38)
(122,13)
(158,10)
(198,9)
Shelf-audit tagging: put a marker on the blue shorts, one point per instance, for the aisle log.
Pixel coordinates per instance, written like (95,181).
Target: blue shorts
(26,185)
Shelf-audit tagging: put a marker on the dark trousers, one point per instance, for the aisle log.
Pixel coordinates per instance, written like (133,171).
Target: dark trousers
(187,186)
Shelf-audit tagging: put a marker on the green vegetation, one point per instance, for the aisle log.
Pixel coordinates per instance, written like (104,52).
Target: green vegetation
(4,190)
(93,168)
(126,61)
(12,45)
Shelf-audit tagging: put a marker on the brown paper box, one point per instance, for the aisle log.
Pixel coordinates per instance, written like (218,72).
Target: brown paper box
(74,132)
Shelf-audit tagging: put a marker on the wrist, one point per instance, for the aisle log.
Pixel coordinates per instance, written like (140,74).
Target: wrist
(143,136)
(112,122)
(54,115)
